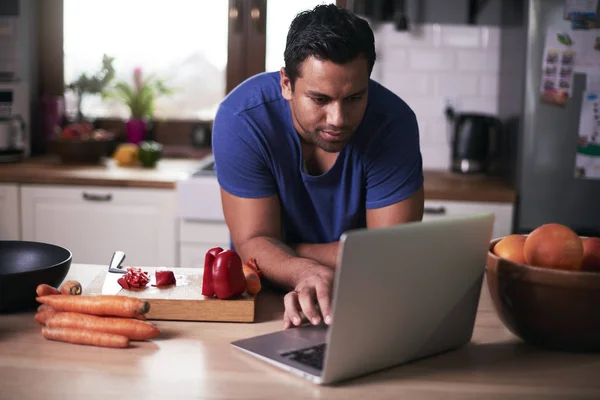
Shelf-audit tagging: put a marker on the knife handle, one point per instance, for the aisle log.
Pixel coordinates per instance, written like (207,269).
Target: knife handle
(116,261)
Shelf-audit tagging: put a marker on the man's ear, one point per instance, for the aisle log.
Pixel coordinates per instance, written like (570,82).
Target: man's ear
(286,84)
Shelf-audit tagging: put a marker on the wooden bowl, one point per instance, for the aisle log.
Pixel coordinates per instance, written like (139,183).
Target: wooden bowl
(78,151)
(554,309)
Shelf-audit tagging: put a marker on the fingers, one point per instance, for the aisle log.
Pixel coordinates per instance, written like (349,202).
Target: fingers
(292,310)
(307,300)
(324,300)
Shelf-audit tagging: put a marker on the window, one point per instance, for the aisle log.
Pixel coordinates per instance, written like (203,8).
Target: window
(204,48)
(183,41)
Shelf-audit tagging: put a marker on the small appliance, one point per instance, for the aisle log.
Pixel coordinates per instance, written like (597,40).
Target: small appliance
(475,141)
(14,121)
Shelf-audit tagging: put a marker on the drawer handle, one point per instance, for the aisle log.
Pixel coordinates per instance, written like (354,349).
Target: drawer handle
(441,210)
(97,197)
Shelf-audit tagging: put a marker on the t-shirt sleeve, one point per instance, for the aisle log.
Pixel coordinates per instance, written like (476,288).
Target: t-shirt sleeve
(394,165)
(240,164)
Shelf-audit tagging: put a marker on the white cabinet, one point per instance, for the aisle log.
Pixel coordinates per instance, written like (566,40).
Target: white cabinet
(197,237)
(503,212)
(10,225)
(95,221)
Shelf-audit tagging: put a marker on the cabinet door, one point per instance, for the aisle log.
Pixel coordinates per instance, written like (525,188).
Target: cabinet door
(197,237)
(93,222)
(10,226)
(503,212)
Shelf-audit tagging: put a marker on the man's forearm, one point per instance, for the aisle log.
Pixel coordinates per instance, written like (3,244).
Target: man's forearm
(278,262)
(323,253)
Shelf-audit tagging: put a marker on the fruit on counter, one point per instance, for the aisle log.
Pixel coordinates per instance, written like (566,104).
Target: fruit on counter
(164,278)
(252,277)
(591,254)
(101,305)
(83,130)
(223,274)
(554,245)
(71,287)
(132,328)
(207,283)
(511,248)
(126,154)
(149,153)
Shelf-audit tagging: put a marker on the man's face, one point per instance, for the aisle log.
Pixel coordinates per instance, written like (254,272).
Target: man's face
(328,101)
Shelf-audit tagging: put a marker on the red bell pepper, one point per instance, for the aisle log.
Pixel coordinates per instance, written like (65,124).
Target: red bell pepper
(228,276)
(207,280)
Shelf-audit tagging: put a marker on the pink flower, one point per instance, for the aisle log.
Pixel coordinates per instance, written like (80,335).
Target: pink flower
(137,78)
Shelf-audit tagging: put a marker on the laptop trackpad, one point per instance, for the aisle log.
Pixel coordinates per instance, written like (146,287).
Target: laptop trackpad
(310,333)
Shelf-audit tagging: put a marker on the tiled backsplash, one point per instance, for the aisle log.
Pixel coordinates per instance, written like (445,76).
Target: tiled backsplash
(431,65)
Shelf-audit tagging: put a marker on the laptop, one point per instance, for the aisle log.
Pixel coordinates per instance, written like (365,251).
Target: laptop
(400,294)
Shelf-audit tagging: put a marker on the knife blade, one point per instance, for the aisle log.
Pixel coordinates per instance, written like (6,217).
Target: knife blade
(115,271)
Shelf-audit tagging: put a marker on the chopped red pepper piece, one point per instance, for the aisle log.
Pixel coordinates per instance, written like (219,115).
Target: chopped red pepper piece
(164,278)
(123,282)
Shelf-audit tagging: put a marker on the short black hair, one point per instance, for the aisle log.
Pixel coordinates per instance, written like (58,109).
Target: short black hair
(327,32)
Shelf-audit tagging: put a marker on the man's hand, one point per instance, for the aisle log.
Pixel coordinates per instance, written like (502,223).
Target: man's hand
(311,296)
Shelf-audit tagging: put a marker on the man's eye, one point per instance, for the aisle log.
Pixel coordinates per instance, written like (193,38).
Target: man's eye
(355,98)
(320,100)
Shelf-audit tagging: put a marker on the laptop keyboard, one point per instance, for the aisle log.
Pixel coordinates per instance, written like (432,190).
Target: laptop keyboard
(312,356)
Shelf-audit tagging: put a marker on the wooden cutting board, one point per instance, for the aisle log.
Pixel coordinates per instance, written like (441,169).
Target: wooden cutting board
(184,301)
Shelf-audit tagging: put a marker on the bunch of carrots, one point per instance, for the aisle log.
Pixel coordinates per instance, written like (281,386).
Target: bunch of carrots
(107,321)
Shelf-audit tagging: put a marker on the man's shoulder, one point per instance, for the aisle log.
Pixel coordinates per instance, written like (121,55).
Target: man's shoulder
(256,91)
(386,105)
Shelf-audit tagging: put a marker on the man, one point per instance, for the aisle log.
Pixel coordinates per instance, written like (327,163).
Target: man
(311,151)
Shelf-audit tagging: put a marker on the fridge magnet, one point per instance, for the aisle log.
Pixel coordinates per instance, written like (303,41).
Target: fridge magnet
(581,13)
(587,159)
(558,68)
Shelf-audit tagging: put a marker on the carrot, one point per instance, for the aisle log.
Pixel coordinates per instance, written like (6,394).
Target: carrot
(102,305)
(253,284)
(83,336)
(132,328)
(71,287)
(44,312)
(46,290)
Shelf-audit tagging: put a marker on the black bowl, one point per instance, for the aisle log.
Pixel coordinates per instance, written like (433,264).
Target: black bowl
(25,265)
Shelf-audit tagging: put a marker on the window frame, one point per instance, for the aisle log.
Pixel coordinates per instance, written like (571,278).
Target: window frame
(246,56)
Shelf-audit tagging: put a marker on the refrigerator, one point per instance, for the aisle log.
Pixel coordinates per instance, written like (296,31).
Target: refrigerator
(540,140)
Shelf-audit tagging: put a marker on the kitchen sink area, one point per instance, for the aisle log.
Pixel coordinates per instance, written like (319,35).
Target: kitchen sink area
(198,195)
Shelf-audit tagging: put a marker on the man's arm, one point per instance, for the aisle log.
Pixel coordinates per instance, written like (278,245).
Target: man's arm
(408,210)
(255,226)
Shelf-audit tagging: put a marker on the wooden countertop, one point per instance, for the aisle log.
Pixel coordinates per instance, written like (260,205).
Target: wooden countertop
(194,360)
(49,170)
(439,184)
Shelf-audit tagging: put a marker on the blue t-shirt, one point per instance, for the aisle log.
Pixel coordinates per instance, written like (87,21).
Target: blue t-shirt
(258,153)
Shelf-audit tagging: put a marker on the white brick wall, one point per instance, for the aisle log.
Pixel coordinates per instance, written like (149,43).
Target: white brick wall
(433,64)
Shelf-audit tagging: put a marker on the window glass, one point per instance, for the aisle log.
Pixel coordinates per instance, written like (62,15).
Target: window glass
(182,41)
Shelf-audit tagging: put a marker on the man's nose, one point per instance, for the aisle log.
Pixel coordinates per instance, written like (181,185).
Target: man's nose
(335,114)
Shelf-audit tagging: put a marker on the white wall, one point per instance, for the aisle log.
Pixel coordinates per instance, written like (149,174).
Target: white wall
(432,64)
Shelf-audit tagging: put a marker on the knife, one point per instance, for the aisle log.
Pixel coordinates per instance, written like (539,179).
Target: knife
(115,271)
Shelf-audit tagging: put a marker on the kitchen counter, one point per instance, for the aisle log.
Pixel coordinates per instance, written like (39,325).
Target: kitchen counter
(49,170)
(195,360)
(439,184)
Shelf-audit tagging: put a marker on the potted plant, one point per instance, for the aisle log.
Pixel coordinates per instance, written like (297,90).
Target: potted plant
(140,97)
(95,84)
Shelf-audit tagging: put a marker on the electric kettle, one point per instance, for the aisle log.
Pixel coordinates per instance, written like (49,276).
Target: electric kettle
(12,138)
(475,141)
